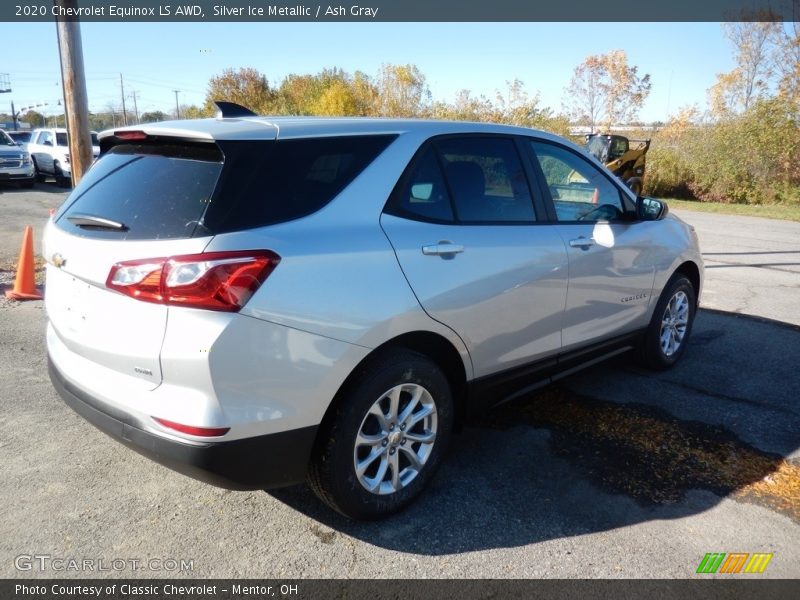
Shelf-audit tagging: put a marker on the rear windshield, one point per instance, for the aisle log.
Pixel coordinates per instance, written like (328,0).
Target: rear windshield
(21,136)
(155,192)
(159,191)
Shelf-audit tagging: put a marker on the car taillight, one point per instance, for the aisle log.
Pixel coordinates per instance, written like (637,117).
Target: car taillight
(130,135)
(191,430)
(222,281)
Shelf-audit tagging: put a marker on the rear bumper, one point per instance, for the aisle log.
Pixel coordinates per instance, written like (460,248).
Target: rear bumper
(266,461)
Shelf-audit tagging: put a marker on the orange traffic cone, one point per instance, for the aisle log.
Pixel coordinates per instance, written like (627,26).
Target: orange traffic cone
(24,288)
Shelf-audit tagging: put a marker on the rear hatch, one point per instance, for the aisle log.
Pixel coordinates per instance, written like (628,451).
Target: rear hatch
(151,197)
(140,200)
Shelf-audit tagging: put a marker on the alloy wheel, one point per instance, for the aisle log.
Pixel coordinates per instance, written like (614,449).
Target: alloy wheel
(395,439)
(674,323)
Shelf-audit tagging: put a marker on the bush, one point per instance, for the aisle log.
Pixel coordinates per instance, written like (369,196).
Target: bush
(753,158)
(667,174)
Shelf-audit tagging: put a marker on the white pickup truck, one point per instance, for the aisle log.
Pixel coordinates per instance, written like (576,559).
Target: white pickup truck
(49,149)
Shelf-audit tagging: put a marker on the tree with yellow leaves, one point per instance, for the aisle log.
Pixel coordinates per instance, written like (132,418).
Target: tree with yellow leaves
(605,89)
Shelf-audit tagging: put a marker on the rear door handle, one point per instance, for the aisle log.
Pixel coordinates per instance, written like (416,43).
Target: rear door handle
(581,242)
(442,249)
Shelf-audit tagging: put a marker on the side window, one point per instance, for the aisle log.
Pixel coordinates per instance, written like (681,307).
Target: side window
(487,180)
(579,190)
(425,192)
(619,146)
(45,137)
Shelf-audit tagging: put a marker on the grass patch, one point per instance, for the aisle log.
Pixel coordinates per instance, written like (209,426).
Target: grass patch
(767,211)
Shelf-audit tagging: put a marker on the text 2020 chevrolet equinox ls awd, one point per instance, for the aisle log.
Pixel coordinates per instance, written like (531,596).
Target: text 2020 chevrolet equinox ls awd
(260,301)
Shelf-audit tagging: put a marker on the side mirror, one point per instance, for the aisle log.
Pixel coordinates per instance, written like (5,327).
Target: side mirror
(650,209)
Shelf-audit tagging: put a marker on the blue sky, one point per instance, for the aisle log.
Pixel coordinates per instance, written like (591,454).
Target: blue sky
(154,59)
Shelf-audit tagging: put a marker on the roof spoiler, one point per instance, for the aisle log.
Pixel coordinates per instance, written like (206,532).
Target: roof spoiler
(231,110)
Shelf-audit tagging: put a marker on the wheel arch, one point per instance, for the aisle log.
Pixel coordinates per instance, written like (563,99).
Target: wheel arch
(692,272)
(434,346)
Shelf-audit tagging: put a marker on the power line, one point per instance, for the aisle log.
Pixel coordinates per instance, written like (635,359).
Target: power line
(164,85)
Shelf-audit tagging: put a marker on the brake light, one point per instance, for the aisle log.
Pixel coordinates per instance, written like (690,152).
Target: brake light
(222,281)
(130,135)
(191,430)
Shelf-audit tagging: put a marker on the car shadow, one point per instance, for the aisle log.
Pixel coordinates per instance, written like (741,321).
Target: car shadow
(48,188)
(610,447)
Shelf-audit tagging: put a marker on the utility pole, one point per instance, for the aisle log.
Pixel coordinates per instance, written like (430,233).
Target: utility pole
(76,102)
(5,88)
(122,91)
(177,108)
(135,108)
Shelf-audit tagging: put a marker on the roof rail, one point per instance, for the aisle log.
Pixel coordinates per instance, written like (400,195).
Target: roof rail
(231,110)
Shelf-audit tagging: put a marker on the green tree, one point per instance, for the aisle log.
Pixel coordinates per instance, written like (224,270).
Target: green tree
(195,112)
(753,158)
(35,119)
(153,117)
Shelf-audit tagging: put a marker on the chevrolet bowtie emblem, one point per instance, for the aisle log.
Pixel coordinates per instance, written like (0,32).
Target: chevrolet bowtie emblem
(59,260)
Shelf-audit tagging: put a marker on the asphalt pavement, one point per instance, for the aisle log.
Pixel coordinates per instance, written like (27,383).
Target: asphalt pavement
(752,264)
(616,472)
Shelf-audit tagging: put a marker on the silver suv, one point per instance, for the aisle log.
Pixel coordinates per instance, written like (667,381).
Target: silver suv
(260,301)
(15,162)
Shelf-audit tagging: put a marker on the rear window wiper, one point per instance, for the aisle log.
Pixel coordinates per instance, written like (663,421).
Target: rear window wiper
(93,222)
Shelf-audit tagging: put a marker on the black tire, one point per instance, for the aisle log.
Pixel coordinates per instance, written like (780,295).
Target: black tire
(652,352)
(39,176)
(61,179)
(332,472)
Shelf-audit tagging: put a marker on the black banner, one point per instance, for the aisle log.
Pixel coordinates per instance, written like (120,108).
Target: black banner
(403,10)
(411,589)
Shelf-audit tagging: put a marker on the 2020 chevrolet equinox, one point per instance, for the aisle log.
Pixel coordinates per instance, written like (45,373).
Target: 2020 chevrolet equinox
(260,301)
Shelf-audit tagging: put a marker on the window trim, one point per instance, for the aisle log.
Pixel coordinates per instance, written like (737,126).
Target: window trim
(393,204)
(629,207)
